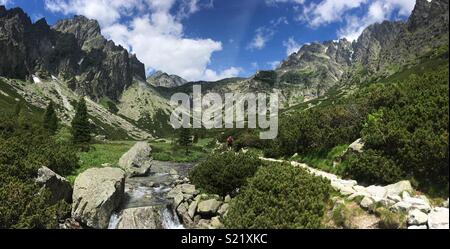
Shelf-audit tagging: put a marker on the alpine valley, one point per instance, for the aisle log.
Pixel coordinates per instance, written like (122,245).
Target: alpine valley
(363,132)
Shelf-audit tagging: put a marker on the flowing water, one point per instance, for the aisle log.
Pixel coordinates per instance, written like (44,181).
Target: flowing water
(151,191)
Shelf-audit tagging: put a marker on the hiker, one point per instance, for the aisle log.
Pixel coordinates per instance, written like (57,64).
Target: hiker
(230,141)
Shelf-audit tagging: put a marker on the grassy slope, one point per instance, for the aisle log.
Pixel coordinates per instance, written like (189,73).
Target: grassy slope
(325,160)
(168,151)
(101,154)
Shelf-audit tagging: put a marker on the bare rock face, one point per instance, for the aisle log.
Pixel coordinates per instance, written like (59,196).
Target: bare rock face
(97,193)
(137,161)
(57,185)
(165,80)
(73,49)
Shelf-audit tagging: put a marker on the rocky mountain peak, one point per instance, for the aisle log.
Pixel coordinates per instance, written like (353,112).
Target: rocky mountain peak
(163,79)
(86,31)
(426,11)
(72,49)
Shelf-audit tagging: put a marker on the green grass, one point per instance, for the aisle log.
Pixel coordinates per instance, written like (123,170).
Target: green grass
(323,160)
(169,151)
(100,154)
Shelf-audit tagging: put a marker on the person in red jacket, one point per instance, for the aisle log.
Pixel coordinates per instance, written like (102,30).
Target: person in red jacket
(230,141)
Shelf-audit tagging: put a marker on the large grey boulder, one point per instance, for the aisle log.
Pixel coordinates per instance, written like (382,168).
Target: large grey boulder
(141,218)
(438,218)
(398,188)
(183,212)
(97,193)
(421,203)
(417,218)
(366,202)
(59,188)
(377,192)
(356,146)
(137,161)
(208,207)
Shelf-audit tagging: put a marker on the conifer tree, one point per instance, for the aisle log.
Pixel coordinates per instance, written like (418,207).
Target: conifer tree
(81,130)
(185,139)
(50,120)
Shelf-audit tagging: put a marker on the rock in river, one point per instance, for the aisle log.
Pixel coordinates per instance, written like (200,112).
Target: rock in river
(137,161)
(97,193)
(141,218)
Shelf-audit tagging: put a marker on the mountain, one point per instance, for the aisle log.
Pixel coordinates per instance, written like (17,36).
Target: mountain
(73,50)
(161,79)
(73,59)
(381,50)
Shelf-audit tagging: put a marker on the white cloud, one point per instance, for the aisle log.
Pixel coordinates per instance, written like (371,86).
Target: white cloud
(211,75)
(378,11)
(347,12)
(5,2)
(154,34)
(291,46)
(189,7)
(273,64)
(265,33)
(328,11)
(274,2)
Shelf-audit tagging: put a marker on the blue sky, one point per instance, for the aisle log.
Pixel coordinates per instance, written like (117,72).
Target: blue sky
(213,39)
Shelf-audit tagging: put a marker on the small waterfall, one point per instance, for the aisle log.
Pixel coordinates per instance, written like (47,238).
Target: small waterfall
(151,191)
(170,220)
(114,221)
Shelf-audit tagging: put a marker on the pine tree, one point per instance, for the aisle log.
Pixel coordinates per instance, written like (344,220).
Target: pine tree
(18,107)
(21,114)
(185,139)
(81,131)
(50,120)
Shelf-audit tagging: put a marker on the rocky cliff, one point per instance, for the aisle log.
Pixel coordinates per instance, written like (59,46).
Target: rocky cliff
(165,80)
(73,50)
(382,49)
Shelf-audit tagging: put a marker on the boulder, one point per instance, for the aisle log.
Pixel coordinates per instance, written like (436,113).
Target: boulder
(228,199)
(376,192)
(193,208)
(223,209)
(59,188)
(188,189)
(137,161)
(216,223)
(183,213)
(356,146)
(208,207)
(401,207)
(97,193)
(420,203)
(366,202)
(438,218)
(398,188)
(141,218)
(417,217)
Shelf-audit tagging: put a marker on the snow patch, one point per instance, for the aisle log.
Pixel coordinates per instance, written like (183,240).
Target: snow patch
(36,79)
